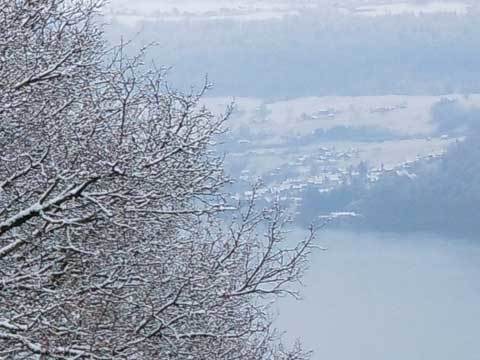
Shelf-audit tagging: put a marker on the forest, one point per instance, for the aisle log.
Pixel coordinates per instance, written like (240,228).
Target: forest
(431,195)
(318,53)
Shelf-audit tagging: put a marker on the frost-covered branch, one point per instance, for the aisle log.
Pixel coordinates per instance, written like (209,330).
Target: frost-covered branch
(114,242)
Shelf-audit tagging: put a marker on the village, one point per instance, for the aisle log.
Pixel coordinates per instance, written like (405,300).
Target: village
(289,165)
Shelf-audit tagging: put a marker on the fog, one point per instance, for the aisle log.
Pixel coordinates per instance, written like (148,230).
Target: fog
(383,296)
(164,164)
(367,109)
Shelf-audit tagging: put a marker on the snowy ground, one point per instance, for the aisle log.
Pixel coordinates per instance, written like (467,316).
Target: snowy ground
(130,11)
(458,7)
(275,139)
(407,115)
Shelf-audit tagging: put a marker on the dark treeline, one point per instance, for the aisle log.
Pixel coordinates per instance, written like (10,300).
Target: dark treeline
(436,195)
(451,117)
(315,54)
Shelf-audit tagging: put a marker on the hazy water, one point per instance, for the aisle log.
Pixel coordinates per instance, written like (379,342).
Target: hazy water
(389,297)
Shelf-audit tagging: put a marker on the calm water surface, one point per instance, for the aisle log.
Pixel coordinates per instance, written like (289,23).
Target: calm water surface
(389,297)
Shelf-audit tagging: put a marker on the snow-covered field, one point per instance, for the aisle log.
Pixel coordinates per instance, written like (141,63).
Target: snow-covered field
(267,137)
(130,11)
(402,114)
(458,7)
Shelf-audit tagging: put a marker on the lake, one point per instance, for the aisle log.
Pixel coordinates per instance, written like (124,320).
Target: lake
(395,297)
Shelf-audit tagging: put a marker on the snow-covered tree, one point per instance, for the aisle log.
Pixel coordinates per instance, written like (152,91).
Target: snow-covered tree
(113,238)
